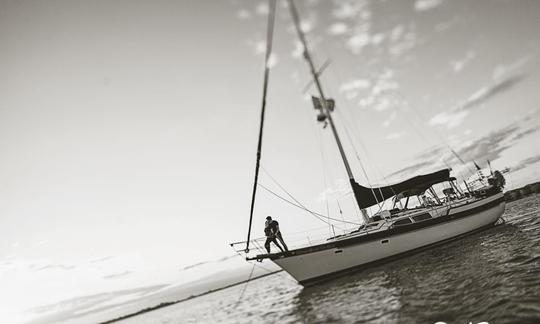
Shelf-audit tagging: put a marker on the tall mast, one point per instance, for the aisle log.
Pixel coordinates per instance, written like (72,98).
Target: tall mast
(325,109)
(315,75)
(269,37)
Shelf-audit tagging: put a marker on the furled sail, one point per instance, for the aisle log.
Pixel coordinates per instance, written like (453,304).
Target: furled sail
(367,197)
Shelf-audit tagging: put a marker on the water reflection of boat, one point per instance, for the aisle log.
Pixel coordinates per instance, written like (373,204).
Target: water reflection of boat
(387,234)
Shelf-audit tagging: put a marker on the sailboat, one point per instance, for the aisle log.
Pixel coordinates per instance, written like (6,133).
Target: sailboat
(387,234)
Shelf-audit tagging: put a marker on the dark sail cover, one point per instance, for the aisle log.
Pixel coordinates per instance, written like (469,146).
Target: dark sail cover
(367,197)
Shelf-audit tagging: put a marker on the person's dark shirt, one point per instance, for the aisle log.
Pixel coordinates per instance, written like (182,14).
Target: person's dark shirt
(274,226)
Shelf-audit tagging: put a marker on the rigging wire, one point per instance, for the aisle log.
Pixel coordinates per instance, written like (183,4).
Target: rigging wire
(282,188)
(317,75)
(300,205)
(358,158)
(325,110)
(357,135)
(269,38)
(409,122)
(422,119)
(350,138)
(416,129)
(357,155)
(317,215)
(325,177)
(379,172)
(245,287)
(337,75)
(324,169)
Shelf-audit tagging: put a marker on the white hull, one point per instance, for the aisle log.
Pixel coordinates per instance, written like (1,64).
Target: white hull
(319,264)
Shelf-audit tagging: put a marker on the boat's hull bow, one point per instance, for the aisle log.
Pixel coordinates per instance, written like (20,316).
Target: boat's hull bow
(346,256)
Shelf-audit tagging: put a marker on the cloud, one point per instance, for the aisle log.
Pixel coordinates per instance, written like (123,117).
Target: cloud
(397,32)
(338,28)
(377,38)
(383,104)
(375,93)
(366,101)
(262,9)
(354,85)
(443,26)
(352,88)
(40,243)
(355,25)
(525,163)
(424,5)
(258,46)
(357,42)
(503,70)
(404,43)
(455,116)
(340,188)
(272,60)
(243,14)
(431,152)
(449,119)
(485,93)
(504,78)
(458,65)
(524,133)
(384,85)
(390,119)
(491,146)
(117,275)
(396,135)
(351,9)
(307,25)
(488,147)
(55,266)
(298,49)
(102,259)
(411,170)
(194,265)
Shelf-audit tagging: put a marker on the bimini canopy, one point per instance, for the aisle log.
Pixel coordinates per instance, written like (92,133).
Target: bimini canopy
(367,197)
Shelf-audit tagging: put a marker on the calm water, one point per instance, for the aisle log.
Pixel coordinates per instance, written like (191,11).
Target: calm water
(492,276)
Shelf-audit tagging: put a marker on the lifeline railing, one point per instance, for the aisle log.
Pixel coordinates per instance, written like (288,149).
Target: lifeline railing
(302,239)
(293,240)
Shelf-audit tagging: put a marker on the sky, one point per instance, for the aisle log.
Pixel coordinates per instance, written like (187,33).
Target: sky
(128,129)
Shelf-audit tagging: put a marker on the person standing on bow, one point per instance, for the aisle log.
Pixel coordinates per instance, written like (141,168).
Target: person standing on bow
(273,225)
(270,238)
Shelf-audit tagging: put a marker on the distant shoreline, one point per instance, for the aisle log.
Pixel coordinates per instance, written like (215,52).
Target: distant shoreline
(165,304)
(525,191)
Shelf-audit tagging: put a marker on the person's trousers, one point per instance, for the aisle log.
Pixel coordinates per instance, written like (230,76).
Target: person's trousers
(280,238)
(273,240)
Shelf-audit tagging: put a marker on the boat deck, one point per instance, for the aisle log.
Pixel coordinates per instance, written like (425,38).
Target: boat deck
(398,222)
